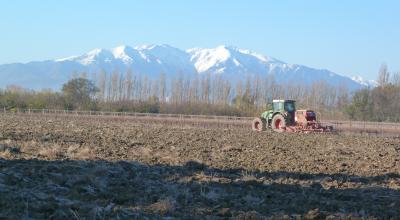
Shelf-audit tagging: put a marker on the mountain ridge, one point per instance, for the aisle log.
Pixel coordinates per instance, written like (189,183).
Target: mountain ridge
(228,61)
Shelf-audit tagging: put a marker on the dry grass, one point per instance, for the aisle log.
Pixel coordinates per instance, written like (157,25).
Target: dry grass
(8,151)
(162,207)
(52,152)
(77,152)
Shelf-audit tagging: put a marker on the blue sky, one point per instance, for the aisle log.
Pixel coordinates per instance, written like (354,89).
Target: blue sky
(348,37)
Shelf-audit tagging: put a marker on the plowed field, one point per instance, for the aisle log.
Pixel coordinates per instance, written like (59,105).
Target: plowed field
(68,168)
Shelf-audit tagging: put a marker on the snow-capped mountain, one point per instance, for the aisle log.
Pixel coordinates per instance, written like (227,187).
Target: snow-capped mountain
(146,60)
(229,62)
(367,83)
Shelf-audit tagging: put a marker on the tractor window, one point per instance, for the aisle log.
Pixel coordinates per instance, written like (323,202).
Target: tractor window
(277,106)
(289,106)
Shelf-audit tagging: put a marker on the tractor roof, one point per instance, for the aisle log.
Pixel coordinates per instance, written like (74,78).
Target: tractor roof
(283,100)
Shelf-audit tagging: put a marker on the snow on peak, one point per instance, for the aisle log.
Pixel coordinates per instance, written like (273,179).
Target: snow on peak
(362,81)
(357,79)
(121,49)
(95,52)
(145,47)
(258,56)
(204,59)
(70,58)
(123,53)
(212,58)
(236,62)
(153,46)
(97,55)
(85,59)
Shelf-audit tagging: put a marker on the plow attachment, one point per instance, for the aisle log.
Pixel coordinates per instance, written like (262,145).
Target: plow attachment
(313,127)
(309,127)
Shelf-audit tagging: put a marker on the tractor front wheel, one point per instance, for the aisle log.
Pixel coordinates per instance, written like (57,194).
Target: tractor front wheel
(278,123)
(258,125)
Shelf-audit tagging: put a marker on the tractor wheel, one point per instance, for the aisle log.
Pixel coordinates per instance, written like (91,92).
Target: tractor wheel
(278,123)
(258,125)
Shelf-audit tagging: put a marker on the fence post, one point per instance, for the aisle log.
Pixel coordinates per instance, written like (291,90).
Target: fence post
(365,129)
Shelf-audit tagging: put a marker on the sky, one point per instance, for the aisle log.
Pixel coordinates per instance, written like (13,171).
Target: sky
(347,37)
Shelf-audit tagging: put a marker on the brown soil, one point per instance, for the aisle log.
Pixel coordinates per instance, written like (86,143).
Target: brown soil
(65,168)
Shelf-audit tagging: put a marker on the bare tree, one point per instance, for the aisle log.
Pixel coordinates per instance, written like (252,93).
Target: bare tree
(121,88)
(205,88)
(396,78)
(114,86)
(238,94)
(128,85)
(194,90)
(384,75)
(155,89)
(162,87)
(227,92)
(102,85)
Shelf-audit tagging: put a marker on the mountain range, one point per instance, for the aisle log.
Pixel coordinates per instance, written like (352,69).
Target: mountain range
(230,62)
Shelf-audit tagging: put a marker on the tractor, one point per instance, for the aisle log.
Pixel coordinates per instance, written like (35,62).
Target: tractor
(285,118)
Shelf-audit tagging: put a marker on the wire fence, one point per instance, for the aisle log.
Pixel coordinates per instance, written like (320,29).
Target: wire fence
(177,120)
(206,121)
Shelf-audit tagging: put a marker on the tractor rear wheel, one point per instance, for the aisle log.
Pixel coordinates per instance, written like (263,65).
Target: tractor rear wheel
(278,123)
(258,125)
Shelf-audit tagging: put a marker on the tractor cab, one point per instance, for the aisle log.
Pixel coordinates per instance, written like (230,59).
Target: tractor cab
(283,106)
(286,108)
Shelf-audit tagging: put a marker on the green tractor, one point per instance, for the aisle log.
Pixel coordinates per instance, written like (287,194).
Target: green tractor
(281,115)
(285,118)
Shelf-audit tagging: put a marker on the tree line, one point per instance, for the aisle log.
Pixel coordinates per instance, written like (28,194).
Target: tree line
(381,103)
(208,94)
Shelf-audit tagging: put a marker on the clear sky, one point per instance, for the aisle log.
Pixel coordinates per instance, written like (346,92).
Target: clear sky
(348,37)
